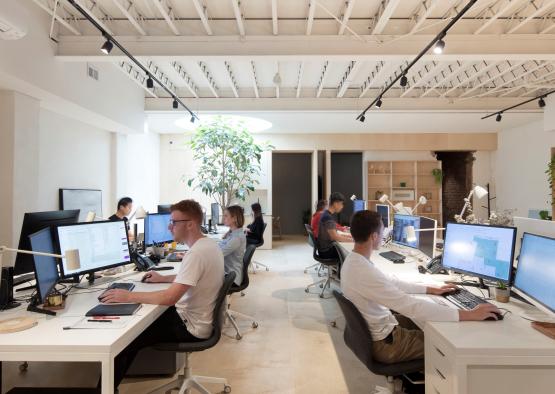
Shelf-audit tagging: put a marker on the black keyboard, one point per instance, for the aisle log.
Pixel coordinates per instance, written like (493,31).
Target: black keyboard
(464,299)
(122,285)
(392,256)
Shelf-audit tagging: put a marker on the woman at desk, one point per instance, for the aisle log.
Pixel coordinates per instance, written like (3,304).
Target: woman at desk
(255,230)
(234,242)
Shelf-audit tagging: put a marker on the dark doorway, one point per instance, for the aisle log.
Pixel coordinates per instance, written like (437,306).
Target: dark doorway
(346,178)
(457,181)
(292,190)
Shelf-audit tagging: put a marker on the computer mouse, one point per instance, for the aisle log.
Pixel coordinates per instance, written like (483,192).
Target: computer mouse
(499,317)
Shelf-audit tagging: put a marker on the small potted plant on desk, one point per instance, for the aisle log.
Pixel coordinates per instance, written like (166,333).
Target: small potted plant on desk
(502,292)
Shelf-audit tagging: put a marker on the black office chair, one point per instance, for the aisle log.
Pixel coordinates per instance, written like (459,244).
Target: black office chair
(330,264)
(342,253)
(317,265)
(259,245)
(189,381)
(357,338)
(230,314)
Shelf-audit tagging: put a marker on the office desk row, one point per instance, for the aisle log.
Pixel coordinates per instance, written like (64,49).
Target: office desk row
(507,356)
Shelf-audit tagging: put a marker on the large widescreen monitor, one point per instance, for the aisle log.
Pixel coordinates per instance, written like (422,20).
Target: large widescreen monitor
(157,228)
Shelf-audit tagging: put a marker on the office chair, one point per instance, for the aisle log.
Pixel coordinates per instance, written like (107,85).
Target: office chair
(230,314)
(276,227)
(357,338)
(259,245)
(342,253)
(330,264)
(188,381)
(317,265)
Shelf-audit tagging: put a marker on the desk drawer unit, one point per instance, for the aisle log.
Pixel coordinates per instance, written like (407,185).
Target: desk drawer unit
(438,367)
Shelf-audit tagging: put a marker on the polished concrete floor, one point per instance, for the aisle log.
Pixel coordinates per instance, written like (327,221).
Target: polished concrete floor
(294,349)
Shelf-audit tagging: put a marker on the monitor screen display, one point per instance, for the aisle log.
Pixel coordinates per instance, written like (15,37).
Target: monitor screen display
(358,205)
(427,239)
(383,210)
(400,224)
(46,267)
(483,251)
(164,208)
(101,245)
(535,274)
(157,228)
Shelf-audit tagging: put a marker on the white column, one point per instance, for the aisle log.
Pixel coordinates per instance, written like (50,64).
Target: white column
(119,171)
(314,176)
(328,175)
(549,113)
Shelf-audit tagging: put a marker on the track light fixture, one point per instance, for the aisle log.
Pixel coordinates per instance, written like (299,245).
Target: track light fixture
(362,118)
(541,102)
(379,103)
(404,80)
(175,104)
(437,43)
(106,48)
(498,117)
(192,119)
(149,83)
(438,49)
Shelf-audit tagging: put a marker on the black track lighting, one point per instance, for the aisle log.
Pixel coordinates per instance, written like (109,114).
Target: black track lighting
(175,104)
(541,102)
(379,103)
(362,118)
(192,119)
(498,118)
(404,80)
(440,45)
(149,83)
(106,48)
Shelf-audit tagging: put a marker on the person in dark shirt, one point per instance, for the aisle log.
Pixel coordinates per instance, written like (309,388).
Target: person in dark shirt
(255,230)
(327,229)
(125,205)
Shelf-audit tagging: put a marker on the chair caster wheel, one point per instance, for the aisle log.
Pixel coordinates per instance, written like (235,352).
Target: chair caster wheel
(306,290)
(321,286)
(238,337)
(227,389)
(333,324)
(254,324)
(23,367)
(321,296)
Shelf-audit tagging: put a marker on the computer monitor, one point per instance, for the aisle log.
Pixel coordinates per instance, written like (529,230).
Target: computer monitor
(157,228)
(399,233)
(483,251)
(359,205)
(427,239)
(101,245)
(33,222)
(46,267)
(535,274)
(164,208)
(532,226)
(383,210)
(215,213)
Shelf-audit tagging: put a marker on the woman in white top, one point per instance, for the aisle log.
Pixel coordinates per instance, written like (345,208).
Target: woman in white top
(234,242)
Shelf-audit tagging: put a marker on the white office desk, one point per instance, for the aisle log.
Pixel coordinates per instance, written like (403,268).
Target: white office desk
(48,341)
(507,356)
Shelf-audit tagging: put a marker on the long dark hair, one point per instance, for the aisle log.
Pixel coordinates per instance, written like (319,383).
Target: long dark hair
(256,210)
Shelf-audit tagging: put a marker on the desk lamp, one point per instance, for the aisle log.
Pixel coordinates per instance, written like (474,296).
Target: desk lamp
(479,191)
(411,232)
(400,208)
(71,256)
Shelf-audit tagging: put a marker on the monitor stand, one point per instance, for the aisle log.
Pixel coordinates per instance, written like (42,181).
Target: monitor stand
(94,280)
(34,308)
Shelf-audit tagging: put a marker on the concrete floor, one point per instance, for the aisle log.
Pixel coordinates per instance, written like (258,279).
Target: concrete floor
(294,349)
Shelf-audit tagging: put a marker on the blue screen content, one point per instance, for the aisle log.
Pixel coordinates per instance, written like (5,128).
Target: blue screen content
(535,273)
(400,224)
(483,251)
(46,268)
(157,228)
(358,205)
(383,210)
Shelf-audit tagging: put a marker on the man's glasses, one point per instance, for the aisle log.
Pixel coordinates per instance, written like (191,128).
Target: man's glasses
(174,222)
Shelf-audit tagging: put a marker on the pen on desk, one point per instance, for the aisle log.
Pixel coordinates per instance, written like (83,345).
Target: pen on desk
(100,320)
(105,317)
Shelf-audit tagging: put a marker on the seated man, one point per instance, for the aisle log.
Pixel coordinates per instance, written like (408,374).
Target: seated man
(191,297)
(327,230)
(395,337)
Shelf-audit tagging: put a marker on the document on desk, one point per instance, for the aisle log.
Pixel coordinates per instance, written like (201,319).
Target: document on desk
(87,323)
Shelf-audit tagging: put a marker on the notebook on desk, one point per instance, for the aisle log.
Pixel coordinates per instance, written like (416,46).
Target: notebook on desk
(113,310)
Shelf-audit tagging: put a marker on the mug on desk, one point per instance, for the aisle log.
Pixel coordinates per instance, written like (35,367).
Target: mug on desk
(159,251)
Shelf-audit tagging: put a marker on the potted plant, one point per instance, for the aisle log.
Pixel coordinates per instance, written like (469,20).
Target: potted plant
(438,175)
(502,292)
(228,160)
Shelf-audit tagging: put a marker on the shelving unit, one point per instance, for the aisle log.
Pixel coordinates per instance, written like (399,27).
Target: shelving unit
(387,176)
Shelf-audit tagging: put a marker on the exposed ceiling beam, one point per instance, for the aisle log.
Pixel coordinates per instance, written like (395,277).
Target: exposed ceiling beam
(322,77)
(279,82)
(299,79)
(62,21)
(158,73)
(473,75)
(428,75)
(548,28)
(385,11)
(274,17)
(542,84)
(350,74)
(498,74)
(206,73)
(202,13)
(378,70)
(90,11)
(135,75)
(349,4)
(504,6)
(512,80)
(450,74)
(166,10)
(254,80)
(547,4)
(238,17)
(128,10)
(231,78)
(424,11)
(189,83)
(310,20)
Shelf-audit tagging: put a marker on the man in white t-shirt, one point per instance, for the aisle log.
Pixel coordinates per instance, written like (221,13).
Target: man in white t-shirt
(191,297)
(395,337)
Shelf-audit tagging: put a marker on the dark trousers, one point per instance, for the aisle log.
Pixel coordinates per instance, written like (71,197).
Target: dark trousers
(328,254)
(169,327)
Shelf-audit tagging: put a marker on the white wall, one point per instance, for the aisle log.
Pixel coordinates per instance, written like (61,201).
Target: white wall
(520,162)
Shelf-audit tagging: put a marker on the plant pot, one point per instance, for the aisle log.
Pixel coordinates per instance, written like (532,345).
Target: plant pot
(502,295)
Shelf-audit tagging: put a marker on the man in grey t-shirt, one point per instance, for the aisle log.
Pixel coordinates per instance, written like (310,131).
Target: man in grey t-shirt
(327,229)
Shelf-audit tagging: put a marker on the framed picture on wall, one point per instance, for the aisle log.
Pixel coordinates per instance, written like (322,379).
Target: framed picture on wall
(402,195)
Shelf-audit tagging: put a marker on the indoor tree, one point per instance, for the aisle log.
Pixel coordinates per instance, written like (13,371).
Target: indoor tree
(228,159)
